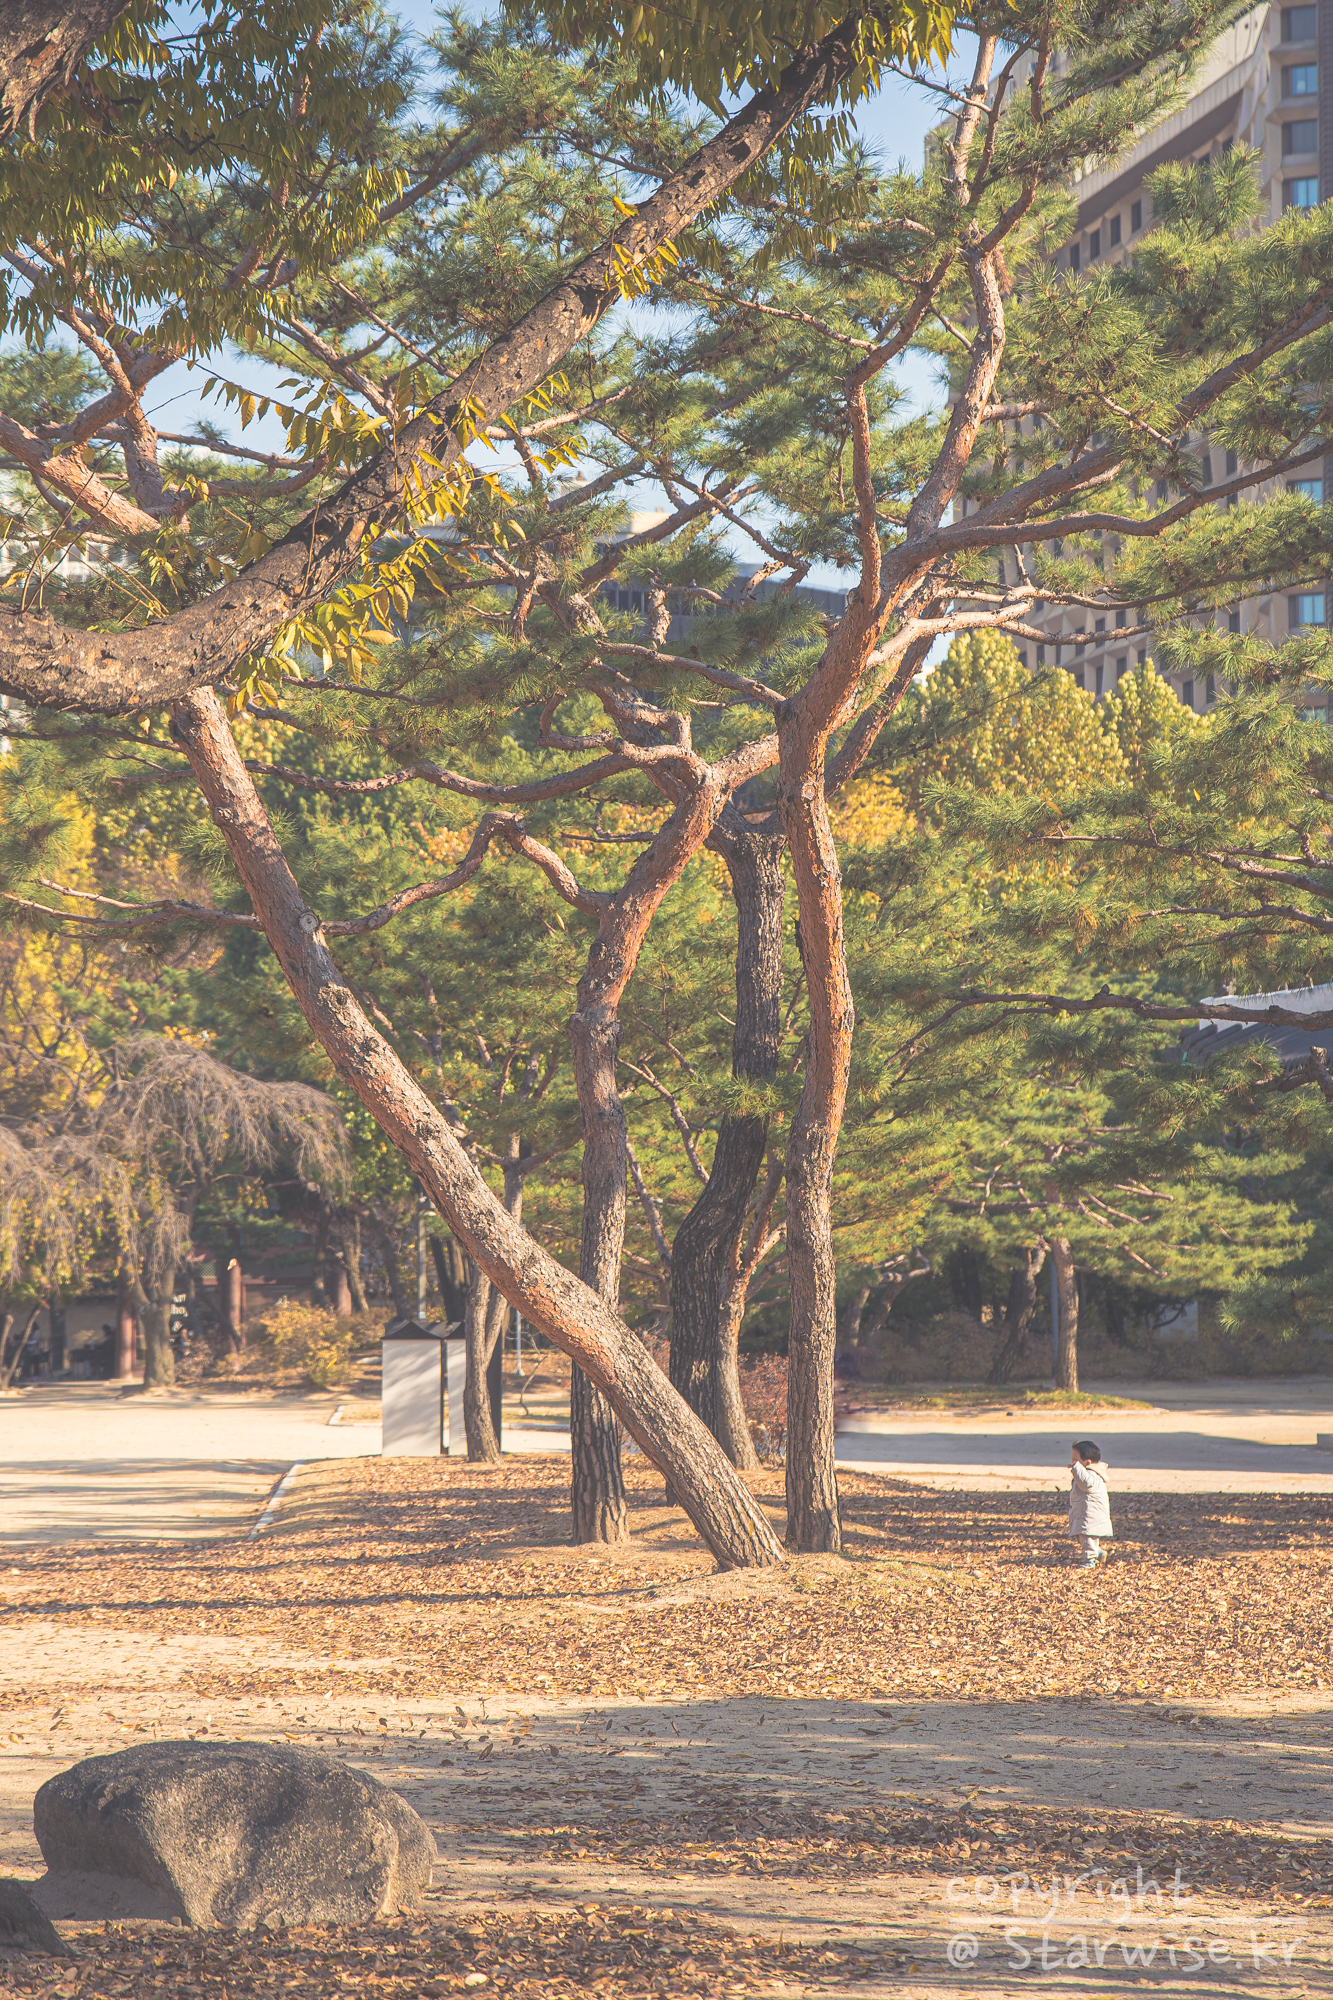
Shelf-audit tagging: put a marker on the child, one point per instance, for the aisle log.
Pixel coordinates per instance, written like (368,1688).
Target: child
(1089,1502)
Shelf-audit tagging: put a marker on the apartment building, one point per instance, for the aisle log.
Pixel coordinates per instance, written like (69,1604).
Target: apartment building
(1267,85)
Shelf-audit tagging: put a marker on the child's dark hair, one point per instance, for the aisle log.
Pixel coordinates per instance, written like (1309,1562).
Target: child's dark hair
(1087,1449)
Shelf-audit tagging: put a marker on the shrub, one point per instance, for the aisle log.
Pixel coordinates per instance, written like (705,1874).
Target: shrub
(312,1339)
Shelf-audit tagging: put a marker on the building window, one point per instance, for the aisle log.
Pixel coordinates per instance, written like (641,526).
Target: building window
(1309,489)
(1233,464)
(1078,678)
(1100,675)
(1143,656)
(1206,468)
(1233,621)
(1079,651)
(1301,80)
(1187,693)
(1122,663)
(1300,137)
(1119,618)
(1041,656)
(1135,217)
(1022,660)
(1306,609)
(1210,690)
(1075,257)
(1114,230)
(1058,651)
(1094,246)
(1302,194)
(1300,24)
(1099,625)
(1161,489)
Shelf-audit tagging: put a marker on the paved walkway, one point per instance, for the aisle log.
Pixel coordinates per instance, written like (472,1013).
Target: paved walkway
(1207,1437)
(91,1461)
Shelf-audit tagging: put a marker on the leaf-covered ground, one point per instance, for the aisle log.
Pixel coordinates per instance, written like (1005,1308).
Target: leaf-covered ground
(613,1952)
(400,1580)
(463,1576)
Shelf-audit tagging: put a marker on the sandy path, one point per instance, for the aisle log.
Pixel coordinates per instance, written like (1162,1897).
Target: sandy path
(513,1788)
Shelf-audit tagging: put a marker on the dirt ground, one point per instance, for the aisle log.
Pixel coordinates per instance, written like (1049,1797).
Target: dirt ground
(943,1764)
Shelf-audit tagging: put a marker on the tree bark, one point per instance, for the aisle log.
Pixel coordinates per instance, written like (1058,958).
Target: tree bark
(482,1445)
(1018,1312)
(159,1359)
(121,673)
(340,1291)
(567,1312)
(127,1330)
(11,1356)
(229,1302)
(1066,1283)
(42,43)
(451,1275)
(597,1484)
(349,1245)
(484,1328)
(707,1299)
(392,1271)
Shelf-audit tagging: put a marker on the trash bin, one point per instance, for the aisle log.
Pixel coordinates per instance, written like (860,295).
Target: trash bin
(413,1390)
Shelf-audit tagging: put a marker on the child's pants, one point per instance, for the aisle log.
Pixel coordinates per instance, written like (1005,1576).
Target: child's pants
(1089,1548)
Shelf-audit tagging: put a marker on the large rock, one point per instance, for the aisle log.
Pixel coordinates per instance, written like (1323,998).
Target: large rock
(23,1928)
(227,1833)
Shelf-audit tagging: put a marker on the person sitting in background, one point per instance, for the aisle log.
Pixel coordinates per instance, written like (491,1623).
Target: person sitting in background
(1089,1503)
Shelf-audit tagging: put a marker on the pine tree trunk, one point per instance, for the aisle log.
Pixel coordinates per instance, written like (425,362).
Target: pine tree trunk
(392,1270)
(731,1426)
(813,1519)
(159,1359)
(1018,1314)
(707,1303)
(484,1323)
(567,1312)
(451,1276)
(351,1253)
(229,1302)
(1066,1280)
(340,1291)
(701,1266)
(597,1486)
(482,1447)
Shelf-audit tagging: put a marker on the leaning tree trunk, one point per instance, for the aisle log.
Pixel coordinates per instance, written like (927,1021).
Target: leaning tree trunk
(569,1314)
(707,1298)
(597,1484)
(1018,1313)
(1066,1285)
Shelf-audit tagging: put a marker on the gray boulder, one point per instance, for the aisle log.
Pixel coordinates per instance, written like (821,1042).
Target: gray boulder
(24,1928)
(227,1833)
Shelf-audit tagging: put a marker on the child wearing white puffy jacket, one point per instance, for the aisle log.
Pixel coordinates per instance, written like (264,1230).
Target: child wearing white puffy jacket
(1089,1503)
